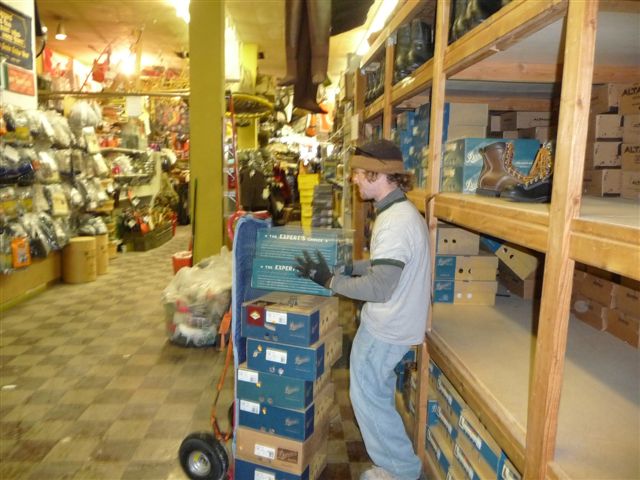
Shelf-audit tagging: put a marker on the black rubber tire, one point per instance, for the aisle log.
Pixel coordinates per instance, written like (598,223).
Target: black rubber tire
(203,457)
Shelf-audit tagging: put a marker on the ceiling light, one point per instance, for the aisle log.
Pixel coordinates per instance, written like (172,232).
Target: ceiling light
(385,8)
(60,32)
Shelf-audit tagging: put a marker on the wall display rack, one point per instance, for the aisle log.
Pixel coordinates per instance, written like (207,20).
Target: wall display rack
(561,398)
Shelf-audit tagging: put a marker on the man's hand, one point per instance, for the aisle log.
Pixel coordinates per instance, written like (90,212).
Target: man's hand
(317,271)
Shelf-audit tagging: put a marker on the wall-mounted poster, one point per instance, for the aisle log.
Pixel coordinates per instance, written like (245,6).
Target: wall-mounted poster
(15,37)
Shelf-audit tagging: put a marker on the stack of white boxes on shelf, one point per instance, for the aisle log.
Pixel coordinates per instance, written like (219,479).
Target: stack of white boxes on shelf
(284,392)
(532,125)
(466,120)
(606,302)
(463,275)
(612,158)
(458,444)
(322,205)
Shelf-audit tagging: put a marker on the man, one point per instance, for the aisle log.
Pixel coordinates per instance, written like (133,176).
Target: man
(395,286)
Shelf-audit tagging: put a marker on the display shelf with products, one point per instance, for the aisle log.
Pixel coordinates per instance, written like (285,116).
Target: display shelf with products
(528,396)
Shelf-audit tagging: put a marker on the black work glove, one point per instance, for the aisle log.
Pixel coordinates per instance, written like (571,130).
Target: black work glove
(317,271)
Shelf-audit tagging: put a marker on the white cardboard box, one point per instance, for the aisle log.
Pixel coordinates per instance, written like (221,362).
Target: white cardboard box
(631,128)
(605,126)
(517,120)
(603,154)
(630,157)
(604,182)
(604,98)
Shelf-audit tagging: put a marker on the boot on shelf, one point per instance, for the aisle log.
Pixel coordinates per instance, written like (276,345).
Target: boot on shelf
(535,191)
(421,45)
(403,44)
(494,177)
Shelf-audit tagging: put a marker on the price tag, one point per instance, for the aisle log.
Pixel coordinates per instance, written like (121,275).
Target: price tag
(262,475)
(251,407)
(264,451)
(247,376)
(279,318)
(278,356)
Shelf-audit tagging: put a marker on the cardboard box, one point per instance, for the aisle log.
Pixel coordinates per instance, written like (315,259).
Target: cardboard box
(282,276)
(278,390)
(462,161)
(520,260)
(479,438)
(589,311)
(507,471)
(450,396)
(454,240)
(629,103)
(439,448)
(630,186)
(448,421)
(467,114)
(255,471)
(599,289)
(495,123)
(289,318)
(631,129)
(528,288)
(471,462)
(510,134)
(626,299)
(603,183)
(605,98)
(518,120)
(630,157)
(466,267)
(625,326)
(603,154)
(282,453)
(542,134)
(290,423)
(454,132)
(465,293)
(286,243)
(307,363)
(607,126)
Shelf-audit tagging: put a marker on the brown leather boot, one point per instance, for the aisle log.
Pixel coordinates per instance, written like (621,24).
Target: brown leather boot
(494,177)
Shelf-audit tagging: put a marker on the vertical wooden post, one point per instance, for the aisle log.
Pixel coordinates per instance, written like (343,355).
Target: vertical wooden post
(387,111)
(544,397)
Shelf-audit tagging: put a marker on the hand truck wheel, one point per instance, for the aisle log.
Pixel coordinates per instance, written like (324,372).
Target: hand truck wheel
(203,457)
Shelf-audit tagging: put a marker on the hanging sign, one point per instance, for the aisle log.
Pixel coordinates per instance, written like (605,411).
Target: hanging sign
(15,37)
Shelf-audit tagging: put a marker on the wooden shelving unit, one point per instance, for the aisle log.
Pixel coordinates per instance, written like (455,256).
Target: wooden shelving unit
(562,399)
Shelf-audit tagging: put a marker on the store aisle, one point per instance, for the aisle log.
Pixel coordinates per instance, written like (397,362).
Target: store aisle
(91,389)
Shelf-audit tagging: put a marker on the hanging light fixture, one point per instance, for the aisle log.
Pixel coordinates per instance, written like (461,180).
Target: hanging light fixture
(60,32)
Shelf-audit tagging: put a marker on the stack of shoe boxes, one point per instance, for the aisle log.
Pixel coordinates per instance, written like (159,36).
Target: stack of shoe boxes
(607,302)
(306,184)
(517,267)
(457,443)
(463,276)
(531,125)
(322,209)
(612,159)
(284,390)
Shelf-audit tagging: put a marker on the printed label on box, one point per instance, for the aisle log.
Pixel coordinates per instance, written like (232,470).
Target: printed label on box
(251,407)
(278,356)
(264,451)
(247,376)
(279,318)
(262,475)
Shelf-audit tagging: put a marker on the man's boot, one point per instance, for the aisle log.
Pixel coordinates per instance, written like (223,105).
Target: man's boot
(403,44)
(421,47)
(494,177)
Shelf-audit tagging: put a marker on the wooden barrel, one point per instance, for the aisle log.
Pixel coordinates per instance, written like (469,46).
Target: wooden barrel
(102,253)
(79,260)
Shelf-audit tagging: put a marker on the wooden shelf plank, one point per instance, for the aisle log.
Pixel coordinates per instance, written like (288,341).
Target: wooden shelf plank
(374,109)
(488,352)
(418,197)
(417,82)
(524,224)
(509,25)
(607,235)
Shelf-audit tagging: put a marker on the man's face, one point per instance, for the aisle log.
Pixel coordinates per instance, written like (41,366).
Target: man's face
(366,188)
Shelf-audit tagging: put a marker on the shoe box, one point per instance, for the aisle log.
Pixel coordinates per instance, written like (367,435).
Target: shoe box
(631,129)
(466,267)
(281,275)
(290,423)
(465,292)
(605,98)
(287,243)
(439,449)
(521,261)
(630,186)
(526,288)
(285,454)
(630,157)
(606,182)
(289,318)
(589,311)
(452,240)
(278,390)
(629,103)
(606,126)
(542,134)
(257,471)
(603,154)
(306,363)
(518,120)
(625,326)
(463,161)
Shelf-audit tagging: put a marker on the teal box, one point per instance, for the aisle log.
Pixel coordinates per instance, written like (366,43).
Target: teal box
(462,161)
(432,412)
(277,390)
(434,370)
(443,291)
(282,276)
(290,423)
(445,267)
(434,444)
(287,243)
(306,363)
(255,471)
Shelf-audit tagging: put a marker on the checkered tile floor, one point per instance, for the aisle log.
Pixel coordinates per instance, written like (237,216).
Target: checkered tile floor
(92,389)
